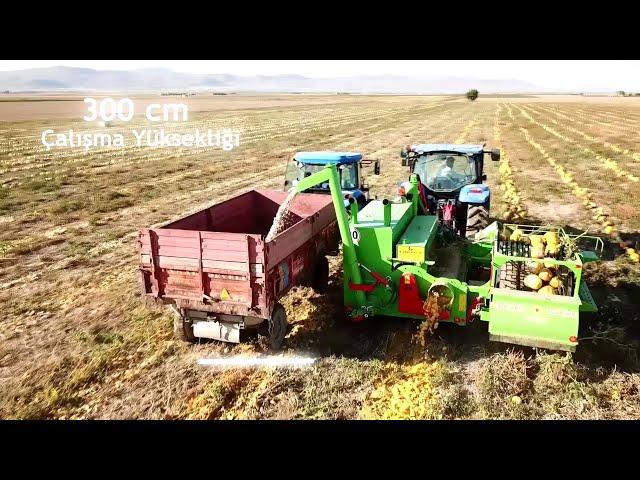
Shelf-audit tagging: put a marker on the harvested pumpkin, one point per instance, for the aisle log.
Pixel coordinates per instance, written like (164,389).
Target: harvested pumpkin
(537,239)
(516,236)
(552,237)
(533,281)
(534,267)
(547,290)
(537,251)
(552,249)
(545,275)
(556,282)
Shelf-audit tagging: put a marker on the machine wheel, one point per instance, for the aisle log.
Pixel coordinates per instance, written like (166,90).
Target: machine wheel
(321,275)
(477,219)
(277,326)
(183,329)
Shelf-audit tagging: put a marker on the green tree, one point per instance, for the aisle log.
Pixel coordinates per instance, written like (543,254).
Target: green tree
(472,94)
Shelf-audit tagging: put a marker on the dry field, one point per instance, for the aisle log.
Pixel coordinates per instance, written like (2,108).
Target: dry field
(76,340)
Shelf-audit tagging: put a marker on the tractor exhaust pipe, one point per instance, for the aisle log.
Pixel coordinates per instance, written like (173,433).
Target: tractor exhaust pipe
(353,205)
(387,212)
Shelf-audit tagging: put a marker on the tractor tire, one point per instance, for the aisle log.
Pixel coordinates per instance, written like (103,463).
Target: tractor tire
(277,327)
(477,219)
(320,281)
(183,329)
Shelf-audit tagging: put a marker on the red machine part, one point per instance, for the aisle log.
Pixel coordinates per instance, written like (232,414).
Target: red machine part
(423,194)
(366,287)
(476,302)
(448,212)
(409,300)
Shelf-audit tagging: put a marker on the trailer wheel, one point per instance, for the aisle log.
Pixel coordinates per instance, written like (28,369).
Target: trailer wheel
(277,326)
(183,329)
(477,219)
(321,275)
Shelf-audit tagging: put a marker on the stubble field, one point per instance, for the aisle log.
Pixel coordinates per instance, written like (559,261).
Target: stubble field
(76,340)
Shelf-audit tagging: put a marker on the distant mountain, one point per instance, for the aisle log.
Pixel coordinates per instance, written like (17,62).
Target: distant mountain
(154,79)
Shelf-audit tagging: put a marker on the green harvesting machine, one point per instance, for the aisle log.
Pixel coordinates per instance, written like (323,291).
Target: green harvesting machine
(400,261)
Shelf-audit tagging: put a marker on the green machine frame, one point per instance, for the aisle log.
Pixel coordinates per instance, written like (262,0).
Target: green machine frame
(387,245)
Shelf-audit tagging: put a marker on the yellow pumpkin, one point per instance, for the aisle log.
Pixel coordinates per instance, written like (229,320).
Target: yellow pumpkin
(552,237)
(545,275)
(537,239)
(556,282)
(537,251)
(534,267)
(547,290)
(552,249)
(516,236)
(533,281)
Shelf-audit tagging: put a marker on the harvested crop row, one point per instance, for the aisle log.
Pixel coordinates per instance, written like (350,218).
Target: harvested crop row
(627,118)
(615,148)
(32,145)
(465,132)
(590,119)
(247,135)
(607,163)
(224,161)
(158,154)
(598,214)
(512,208)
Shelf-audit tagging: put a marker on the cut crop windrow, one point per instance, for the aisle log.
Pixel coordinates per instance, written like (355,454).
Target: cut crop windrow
(589,119)
(465,132)
(634,156)
(604,161)
(611,118)
(598,214)
(225,161)
(615,148)
(513,208)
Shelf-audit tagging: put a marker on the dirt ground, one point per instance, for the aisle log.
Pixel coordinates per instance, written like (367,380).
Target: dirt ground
(77,341)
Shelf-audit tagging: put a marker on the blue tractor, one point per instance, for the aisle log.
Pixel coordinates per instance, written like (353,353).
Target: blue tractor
(350,168)
(451,183)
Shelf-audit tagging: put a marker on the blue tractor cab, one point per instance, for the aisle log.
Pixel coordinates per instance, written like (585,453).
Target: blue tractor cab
(451,180)
(349,166)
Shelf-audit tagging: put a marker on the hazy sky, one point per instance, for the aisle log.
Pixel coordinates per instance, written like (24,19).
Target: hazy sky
(570,74)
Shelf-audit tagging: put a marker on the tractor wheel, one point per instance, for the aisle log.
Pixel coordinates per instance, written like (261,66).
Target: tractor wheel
(183,329)
(321,275)
(277,326)
(477,219)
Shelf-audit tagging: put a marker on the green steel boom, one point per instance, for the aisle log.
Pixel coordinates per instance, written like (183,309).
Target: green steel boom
(350,261)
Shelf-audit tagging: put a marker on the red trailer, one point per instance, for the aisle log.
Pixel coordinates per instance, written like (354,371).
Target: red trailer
(220,275)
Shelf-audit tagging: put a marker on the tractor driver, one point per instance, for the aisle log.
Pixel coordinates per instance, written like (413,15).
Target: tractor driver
(447,169)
